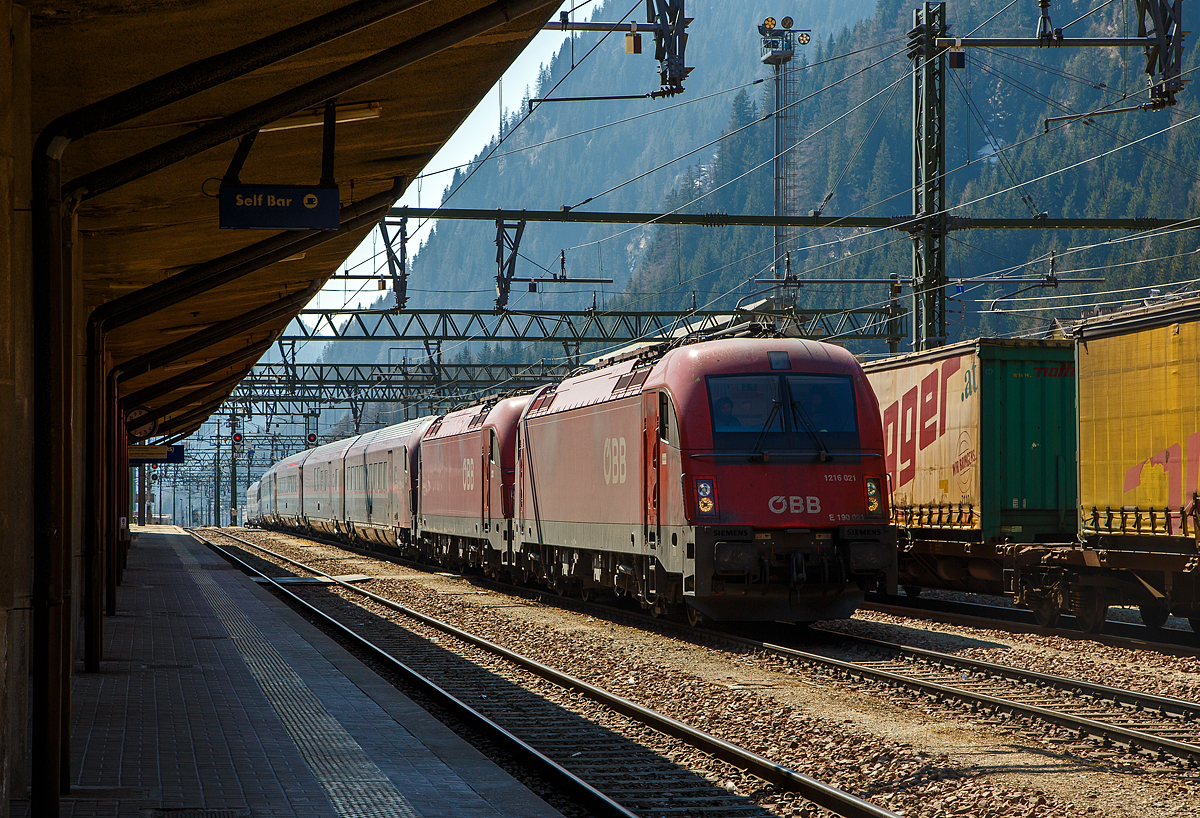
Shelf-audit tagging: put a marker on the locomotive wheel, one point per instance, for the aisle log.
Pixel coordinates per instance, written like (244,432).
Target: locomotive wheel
(912,591)
(1046,612)
(1089,608)
(1154,616)
(697,619)
(587,594)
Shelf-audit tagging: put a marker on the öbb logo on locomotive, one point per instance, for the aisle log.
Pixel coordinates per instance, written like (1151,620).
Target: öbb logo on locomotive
(796,504)
(614,460)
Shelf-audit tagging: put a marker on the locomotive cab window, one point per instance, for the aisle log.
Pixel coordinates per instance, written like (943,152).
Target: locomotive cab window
(823,411)
(803,413)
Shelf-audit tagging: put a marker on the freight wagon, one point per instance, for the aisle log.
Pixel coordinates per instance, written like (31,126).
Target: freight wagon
(980,452)
(1139,469)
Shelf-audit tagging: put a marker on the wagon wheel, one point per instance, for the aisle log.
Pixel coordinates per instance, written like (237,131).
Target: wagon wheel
(696,619)
(587,594)
(912,591)
(1046,611)
(1154,615)
(1089,608)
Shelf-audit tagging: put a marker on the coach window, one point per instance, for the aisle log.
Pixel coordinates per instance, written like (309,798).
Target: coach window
(495,453)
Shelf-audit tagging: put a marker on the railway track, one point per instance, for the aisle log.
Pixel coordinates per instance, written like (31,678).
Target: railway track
(973,614)
(613,755)
(1078,714)
(1136,721)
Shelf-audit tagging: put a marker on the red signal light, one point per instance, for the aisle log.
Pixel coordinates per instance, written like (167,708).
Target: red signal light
(312,437)
(237,437)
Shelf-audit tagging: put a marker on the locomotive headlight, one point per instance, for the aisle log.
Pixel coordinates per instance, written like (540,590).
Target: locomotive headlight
(706,496)
(874,497)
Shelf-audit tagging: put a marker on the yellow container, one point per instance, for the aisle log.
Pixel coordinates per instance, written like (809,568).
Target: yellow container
(1139,422)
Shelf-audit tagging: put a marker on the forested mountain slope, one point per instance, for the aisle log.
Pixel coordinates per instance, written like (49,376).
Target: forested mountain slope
(1003,160)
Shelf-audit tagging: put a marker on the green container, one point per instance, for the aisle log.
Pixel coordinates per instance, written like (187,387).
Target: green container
(980,440)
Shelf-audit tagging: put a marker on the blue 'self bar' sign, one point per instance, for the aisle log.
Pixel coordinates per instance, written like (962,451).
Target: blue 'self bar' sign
(280,207)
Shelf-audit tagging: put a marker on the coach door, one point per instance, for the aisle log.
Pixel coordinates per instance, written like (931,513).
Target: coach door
(393,485)
(653,450)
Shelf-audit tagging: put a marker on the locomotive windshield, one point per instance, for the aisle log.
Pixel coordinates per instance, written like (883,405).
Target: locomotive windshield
(810,413)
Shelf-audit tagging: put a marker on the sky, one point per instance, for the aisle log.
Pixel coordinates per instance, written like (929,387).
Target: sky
(472,136)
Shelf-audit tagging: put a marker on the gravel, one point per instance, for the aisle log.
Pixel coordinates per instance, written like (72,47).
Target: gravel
(899,751)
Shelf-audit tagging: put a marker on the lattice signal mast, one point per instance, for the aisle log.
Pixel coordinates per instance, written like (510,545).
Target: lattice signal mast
(779,41)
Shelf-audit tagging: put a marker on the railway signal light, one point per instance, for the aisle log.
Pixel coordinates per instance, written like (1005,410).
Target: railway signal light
(916,42)
(312,438)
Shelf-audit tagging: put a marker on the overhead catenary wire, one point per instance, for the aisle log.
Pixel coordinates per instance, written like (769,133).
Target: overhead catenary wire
(1089,122)
(993,142)
(654,112)
(1061,170)
(734,132)
(831,59)
(1148,234)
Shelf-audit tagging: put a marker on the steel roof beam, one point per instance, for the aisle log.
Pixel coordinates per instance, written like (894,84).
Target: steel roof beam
(308,95)
(196,416)
(215,334)
(183,402)
(185,379)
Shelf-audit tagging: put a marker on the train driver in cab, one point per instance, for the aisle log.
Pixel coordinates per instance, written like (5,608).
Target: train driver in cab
(723,416)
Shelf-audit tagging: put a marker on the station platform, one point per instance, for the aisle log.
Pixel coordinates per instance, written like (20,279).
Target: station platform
(216,700)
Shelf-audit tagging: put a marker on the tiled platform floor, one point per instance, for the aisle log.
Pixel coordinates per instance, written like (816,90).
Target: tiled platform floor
(215,699)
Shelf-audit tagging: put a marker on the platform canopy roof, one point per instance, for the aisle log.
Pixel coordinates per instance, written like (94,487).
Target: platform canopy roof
(152,226)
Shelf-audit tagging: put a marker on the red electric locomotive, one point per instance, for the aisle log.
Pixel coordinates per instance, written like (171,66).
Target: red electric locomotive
(466,485)
(743,478)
